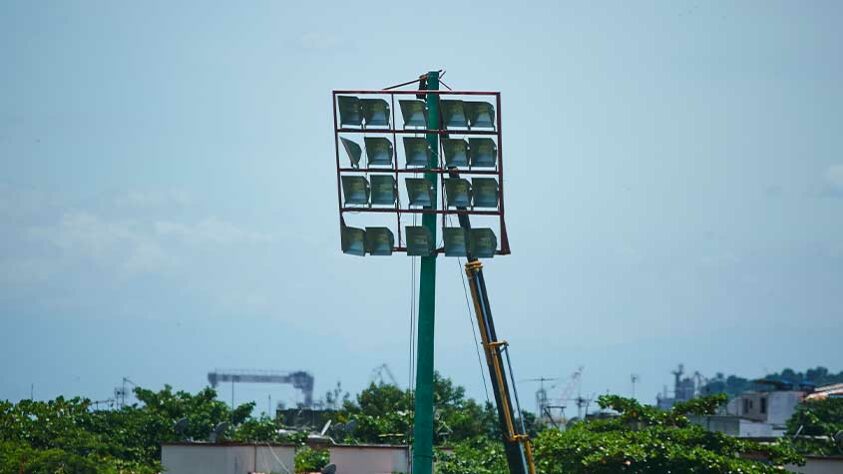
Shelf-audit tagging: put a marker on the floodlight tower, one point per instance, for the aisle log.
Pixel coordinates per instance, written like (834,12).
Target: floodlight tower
(423,422)
(470,148)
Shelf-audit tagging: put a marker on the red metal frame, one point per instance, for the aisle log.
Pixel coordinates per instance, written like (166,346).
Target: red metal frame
(503,248)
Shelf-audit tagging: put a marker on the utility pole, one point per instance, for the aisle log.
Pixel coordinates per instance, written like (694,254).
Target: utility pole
(634,379)
(423,423)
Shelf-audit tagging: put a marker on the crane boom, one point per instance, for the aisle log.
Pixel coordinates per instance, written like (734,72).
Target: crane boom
(517,446)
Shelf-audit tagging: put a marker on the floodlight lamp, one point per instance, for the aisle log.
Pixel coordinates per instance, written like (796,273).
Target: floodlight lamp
(414,113)
(456,152)
(383,189)
(417,152)
(353,151)
(453,114)
(485,192)
(456,243)
(482,152)
(355,189)
(379,241)
(376,112)
(420,192)
(483,243)
(419,241)
(350,111)
(458,192)
(480,114)
(353,240)
(378,151)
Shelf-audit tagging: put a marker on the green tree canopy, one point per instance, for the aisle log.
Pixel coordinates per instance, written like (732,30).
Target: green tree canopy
(643,439)
(817,421)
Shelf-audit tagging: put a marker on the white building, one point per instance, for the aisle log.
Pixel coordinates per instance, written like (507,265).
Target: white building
(772,408)
(370,459)
(228,458)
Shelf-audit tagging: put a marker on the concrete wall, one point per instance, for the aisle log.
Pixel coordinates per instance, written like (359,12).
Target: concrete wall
(781,405)
(226,459)
(370,459)
(734,426)
(818,465)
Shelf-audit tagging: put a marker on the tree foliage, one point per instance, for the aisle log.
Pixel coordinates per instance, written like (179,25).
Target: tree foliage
(384,414)
(817,421)
(735,385)
(643,439)
(478,455)
(66,436)
(63,435)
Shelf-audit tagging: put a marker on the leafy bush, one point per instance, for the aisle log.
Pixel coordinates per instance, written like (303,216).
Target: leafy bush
(479,455)
(817,421)
(643,439)
(311,460)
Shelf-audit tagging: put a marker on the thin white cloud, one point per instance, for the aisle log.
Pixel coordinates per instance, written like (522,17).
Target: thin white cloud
(210,231)
(154,198)
(135,246)
(833,182)
(25,270)
(834,175)
(318,41)
(89,234)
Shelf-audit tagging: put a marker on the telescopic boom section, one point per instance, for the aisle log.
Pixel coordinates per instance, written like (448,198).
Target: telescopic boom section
(519,450)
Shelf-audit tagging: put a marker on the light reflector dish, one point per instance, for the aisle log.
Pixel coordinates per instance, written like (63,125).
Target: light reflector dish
(355,189)
(456,244)
(456,152)
(480,114)
(353,151)
(378,151)
(353,241)
(419,241)
(483,243)
(350,113)
(383,189)
(375,112)
(485,192)
(417,152)
(420,192)
(458,192)
(379,241)
(482,152)
(453,114)
(414,113)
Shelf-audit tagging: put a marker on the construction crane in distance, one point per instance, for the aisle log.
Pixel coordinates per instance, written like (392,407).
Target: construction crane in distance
(565,395)
(541,394)
(121,392)
(377,375)
(300,380)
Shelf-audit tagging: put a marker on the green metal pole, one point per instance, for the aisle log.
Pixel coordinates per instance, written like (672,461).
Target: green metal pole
(423,423)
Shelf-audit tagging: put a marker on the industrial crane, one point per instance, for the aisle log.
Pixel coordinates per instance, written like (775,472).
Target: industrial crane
(377,375)
(299,379)
(517,445)
(518,449)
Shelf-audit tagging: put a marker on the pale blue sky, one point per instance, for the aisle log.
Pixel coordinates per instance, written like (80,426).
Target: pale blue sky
(168,201)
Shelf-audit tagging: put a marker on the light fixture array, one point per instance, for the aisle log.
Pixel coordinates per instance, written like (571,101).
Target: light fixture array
(468,165)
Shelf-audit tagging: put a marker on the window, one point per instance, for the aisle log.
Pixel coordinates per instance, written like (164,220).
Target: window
(764,405)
